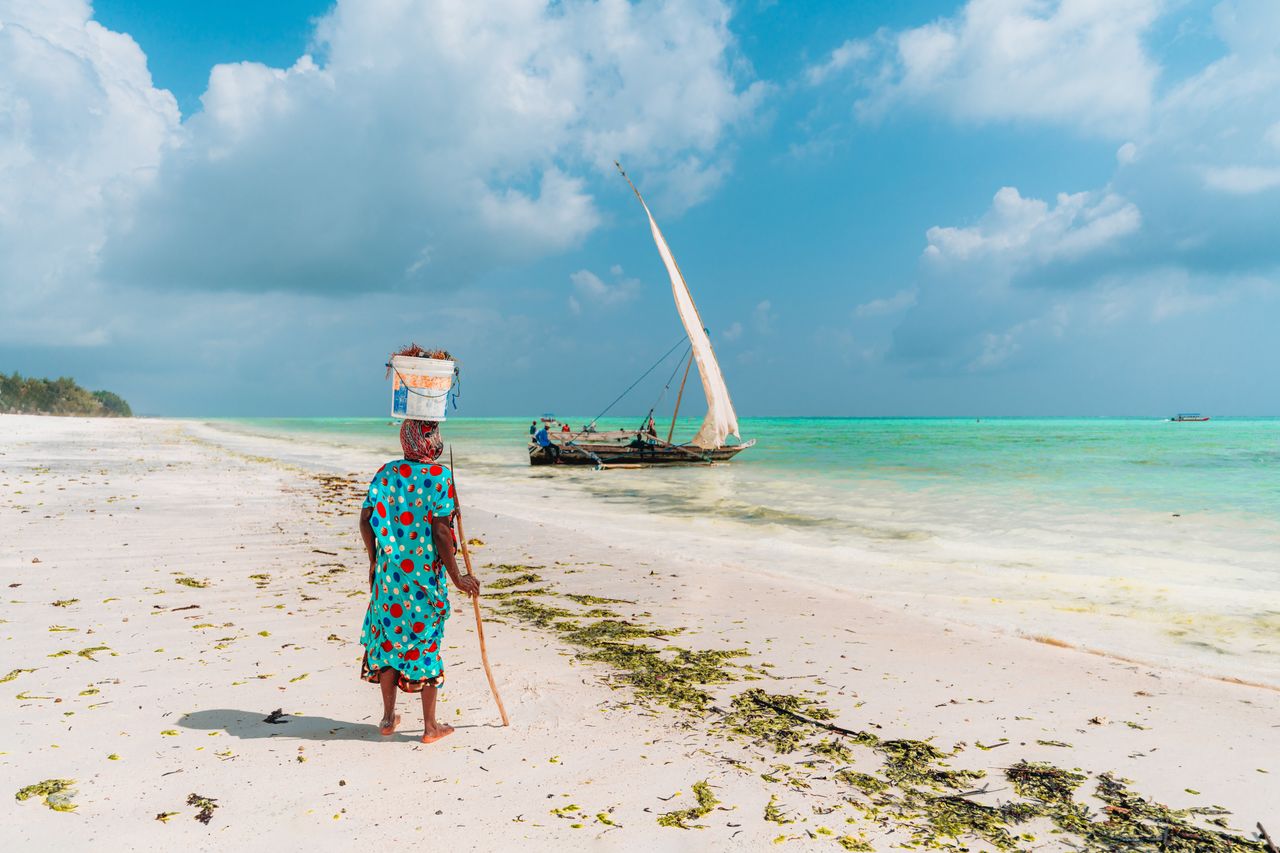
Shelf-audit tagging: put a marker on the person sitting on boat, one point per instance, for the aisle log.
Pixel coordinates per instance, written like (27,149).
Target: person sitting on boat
(651,428)
(564,427)
(545,442)
(533,428)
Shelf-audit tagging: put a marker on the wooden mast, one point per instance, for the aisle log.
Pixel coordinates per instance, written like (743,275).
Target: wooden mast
(680,396)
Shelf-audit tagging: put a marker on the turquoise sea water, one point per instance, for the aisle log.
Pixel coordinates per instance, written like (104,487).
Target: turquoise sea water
(1139,537)
(1228,465)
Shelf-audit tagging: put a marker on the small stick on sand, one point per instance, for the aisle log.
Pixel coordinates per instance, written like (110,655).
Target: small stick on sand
(1266,839)
(475,599)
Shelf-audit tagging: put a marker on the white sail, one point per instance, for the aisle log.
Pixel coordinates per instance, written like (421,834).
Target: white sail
(721,420)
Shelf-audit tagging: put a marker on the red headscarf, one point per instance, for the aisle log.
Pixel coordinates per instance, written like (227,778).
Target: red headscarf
(421,440)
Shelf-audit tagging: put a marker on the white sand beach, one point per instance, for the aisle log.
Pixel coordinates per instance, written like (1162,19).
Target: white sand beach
(168,587)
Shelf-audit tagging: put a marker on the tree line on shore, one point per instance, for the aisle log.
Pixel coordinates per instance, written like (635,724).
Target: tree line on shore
(62,396)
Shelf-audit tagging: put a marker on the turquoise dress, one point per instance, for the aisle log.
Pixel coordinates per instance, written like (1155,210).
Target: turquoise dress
(404,625)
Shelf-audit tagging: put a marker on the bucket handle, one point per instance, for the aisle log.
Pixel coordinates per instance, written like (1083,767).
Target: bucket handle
(452,394)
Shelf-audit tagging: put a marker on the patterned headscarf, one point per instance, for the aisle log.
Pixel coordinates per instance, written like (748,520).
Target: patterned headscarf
(421,440)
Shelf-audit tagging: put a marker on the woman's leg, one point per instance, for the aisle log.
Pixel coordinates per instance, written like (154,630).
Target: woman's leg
(387,682)
(431,729)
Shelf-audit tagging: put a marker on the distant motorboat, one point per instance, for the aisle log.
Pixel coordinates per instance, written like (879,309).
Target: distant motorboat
(1188,417)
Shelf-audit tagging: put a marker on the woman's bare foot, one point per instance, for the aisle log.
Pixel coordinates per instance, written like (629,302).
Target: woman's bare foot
(389,726)
(434,732)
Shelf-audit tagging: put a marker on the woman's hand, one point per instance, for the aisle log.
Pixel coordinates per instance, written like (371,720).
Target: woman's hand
(469,585)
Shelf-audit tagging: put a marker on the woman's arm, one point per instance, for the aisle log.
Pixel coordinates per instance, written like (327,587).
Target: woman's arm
(370,546)
(442,535)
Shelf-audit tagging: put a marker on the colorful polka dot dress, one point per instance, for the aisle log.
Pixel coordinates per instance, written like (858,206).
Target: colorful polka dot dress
(404,625)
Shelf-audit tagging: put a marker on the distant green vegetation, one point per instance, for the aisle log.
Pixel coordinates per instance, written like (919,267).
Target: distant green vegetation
(29,395)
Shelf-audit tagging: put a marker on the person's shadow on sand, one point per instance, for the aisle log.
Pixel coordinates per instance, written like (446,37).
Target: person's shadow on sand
(248,725)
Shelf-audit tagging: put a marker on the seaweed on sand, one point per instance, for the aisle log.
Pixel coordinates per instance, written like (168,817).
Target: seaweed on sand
(912,789)
(541,615)
(671,677)
(595,599)
(681,819)
(611,630)
(206,805)
(513,593)
(956,817)
(773,814)
(864,782)
(503,583)
(1145,825)
(782,721)
(918,762)
(1043,782)
(56,794)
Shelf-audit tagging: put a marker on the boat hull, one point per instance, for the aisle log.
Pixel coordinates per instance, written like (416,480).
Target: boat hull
(615,456)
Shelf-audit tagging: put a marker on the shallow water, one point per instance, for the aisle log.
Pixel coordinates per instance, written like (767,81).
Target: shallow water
(1138,537)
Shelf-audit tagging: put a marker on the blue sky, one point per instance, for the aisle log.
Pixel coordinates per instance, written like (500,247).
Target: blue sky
(919,208)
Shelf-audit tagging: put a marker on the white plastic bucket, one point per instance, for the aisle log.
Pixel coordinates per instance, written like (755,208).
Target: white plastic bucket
(420,387)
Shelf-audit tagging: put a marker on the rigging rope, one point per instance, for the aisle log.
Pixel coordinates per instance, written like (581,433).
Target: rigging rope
(606,409)
(665,388)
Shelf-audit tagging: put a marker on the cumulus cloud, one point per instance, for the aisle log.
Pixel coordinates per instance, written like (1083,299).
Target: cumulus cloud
(592,288)
(889,305)
(1076,63)
(82,131)
(414,144)
(763,317)
(1029,229)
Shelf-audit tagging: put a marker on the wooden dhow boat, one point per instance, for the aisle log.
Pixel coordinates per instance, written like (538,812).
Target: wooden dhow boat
(642,447)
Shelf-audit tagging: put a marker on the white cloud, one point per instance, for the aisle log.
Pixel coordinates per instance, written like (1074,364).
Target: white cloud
(762,317)
(1028,229)
(733,332)
(895,304)
(1126,153)
(417,144)
(592,288)
(851,52)
(82,130)
(1242,180)
(999,347)
(1075,63)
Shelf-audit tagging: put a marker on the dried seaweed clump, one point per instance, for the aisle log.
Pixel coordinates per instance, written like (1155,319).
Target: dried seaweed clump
(595,599)
(1141,824)
(918,762)
(503,583)
(539,615)
(864,782)
(412,350)
(612,630)
(191,582)
(1132,822)
(56,794)
(956,817)
(780,720)
(671,677)
(206,805)
(680,819)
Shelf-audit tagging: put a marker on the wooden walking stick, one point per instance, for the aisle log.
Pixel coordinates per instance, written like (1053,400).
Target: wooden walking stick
(475,599)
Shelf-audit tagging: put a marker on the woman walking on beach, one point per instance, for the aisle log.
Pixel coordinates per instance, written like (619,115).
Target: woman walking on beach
(407,527)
